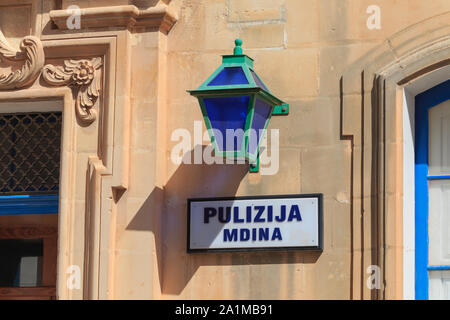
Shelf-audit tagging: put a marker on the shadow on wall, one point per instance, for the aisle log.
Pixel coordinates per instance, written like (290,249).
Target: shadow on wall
(176,266)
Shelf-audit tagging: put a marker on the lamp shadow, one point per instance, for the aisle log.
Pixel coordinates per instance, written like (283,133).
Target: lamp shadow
(176,267)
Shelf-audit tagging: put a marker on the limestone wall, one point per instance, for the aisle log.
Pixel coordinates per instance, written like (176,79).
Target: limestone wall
(126,199)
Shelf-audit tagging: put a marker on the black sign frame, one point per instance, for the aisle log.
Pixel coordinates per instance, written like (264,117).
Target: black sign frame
(318,248)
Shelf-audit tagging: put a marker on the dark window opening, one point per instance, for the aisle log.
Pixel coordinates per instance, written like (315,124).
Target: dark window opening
(21,262)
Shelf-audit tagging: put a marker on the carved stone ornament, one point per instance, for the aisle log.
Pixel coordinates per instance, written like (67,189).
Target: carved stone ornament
(31,54)
(83,76)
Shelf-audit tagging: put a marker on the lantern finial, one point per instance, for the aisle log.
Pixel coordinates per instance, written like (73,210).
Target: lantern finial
(238,49)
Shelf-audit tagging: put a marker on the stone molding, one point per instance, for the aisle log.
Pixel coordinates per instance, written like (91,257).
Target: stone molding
(83,76)
(31,55)
(94,159)
(128,16)
(371,102)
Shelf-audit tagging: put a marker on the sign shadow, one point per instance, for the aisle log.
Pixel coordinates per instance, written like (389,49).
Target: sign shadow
(164,213)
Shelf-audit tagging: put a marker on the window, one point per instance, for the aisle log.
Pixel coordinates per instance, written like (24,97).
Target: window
(30,145)
(432,192)
(21,262)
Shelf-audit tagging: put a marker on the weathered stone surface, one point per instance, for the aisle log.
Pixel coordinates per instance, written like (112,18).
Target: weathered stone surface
(123,201)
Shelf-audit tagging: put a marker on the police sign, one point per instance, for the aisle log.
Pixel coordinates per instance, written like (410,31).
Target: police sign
(255,223)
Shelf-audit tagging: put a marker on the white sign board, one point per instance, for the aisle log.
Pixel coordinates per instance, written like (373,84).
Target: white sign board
(247,223)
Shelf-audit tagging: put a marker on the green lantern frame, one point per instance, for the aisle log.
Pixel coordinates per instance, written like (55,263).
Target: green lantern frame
(251,90)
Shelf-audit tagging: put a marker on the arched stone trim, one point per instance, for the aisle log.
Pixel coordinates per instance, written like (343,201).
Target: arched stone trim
(372,90)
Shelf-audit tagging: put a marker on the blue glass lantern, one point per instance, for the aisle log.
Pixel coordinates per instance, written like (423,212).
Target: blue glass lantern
(237,107)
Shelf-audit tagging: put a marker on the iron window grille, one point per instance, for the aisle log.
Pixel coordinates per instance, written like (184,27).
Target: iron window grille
(30,146)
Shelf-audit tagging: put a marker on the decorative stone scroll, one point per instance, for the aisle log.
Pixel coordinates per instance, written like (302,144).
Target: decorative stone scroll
(83,76)
(31,54)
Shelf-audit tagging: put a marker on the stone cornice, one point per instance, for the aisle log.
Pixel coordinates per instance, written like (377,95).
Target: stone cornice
(128,16)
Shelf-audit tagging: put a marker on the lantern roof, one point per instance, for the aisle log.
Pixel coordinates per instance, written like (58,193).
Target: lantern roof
(235,76)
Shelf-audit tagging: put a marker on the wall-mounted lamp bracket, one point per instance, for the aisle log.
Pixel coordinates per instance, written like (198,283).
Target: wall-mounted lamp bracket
(282,110)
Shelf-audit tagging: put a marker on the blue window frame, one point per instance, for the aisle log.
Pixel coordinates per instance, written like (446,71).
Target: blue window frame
(424,102)
(27,204)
